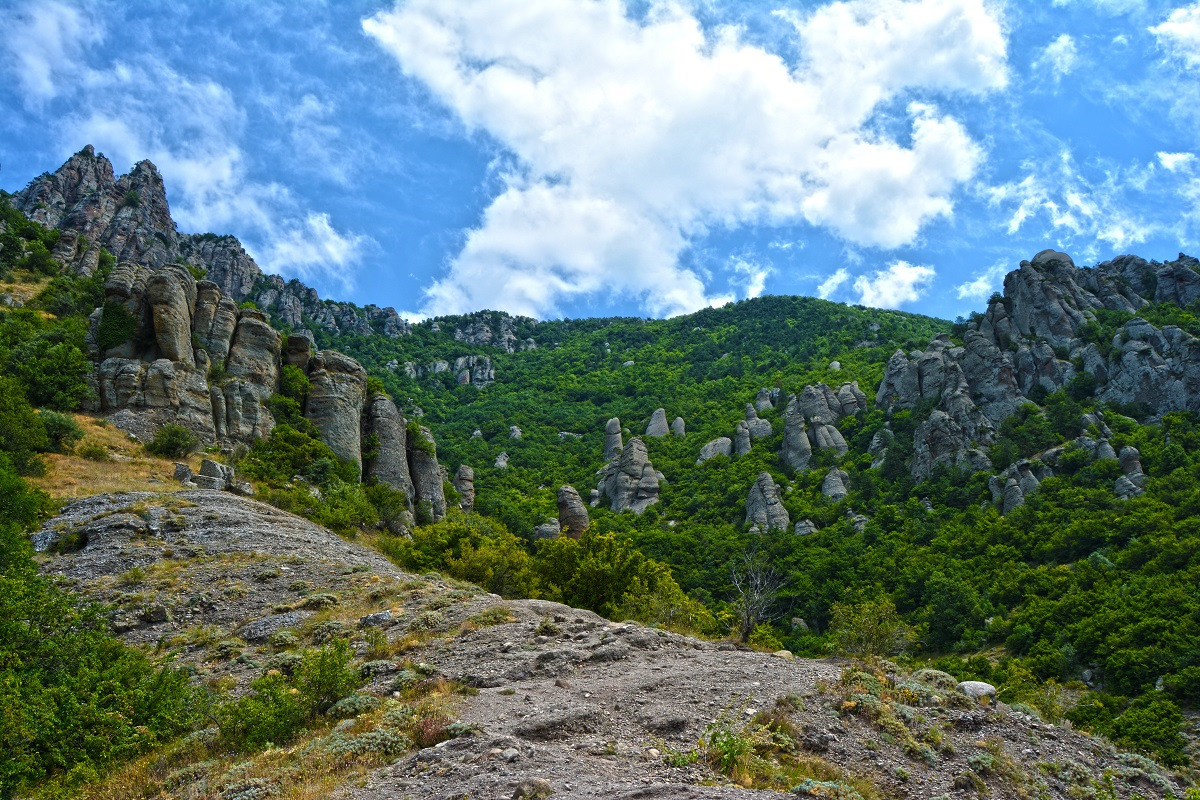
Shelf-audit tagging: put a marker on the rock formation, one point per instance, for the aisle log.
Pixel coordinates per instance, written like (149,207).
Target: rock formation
(1133,482)
(741,438)
(764,510)
(572,513)
(629,481)
(797,450)
(678,428)
(657,426)
(501,461)
(759,428)
(717,447)
(426,475)
(335,402)
(464,484)
(805,527)
(389,463)
(836,485)
(612,439)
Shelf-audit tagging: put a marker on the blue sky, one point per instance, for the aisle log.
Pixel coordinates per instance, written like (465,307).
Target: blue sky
(594,157)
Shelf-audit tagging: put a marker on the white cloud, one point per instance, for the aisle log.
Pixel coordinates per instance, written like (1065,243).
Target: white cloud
(832,283)
(984,283)
(1079,208)
(1107,6)
(1059,57)
(1176,161)
(900,283)
(630,138)
(1179,34)
(43,42)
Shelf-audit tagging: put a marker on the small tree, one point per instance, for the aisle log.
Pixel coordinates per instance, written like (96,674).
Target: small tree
(173,441)
(756,586)
(873,628)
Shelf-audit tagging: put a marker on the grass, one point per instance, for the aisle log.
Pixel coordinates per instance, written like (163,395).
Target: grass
(24,285)
(129,467)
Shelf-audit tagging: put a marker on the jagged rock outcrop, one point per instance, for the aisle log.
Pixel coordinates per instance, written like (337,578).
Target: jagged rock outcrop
(764,509)
(514,432)
(629,481)
(717,447)
(657,427)
(797,450)
(822,403)
(427,475)
(759,428)
(612,439)
(464,484)
(573,516)
(940,440)
(762,401)
(678,427)
(836,484)
(389,462)
(129,216)
(828,437)
(335,403)
(547,530)
(492,328)
(501,461)
(741,438)
(476,371)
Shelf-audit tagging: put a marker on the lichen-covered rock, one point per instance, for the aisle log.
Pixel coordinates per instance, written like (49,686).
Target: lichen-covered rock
(764,509)
(573,516)
(657,426)
(335,403)
(717,447)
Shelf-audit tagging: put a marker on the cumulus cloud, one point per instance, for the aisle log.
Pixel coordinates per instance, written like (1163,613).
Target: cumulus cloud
(43,42)
(1179,34)
(630,137)
(832,283)
(1059,57)
(900,283)
(983,284)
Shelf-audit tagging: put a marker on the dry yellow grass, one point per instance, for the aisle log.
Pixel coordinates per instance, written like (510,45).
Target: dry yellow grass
(24,286)
(131,468)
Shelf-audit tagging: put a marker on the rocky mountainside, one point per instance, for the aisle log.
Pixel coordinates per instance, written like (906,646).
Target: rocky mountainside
(560,700)
(129,216)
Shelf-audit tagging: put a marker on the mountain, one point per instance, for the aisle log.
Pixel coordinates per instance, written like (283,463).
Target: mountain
(1007,500)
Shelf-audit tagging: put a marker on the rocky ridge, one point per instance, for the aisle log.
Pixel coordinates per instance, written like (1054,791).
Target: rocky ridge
(562,698)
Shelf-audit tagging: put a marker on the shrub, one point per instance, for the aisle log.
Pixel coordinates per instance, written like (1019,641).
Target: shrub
(274,713)
(873,628)
(117,326)
(62,431)
(173,441)
(293,383)
(325,677)
(93,451)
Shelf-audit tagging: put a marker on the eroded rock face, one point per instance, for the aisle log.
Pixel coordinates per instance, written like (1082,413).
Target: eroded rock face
(629,481)
(573,516)
(758,428)
(612,439)
(764,509)
(657,426)
(335,403)
(171,293)
(390,462)
(836,484)
(717,447)
(941,440)
(464,484)
(741,438)
(426,475)
(797,450)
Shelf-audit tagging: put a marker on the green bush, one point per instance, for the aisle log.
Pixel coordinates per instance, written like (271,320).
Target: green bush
(117,326)
(22,433)
(62,431)
(173,441)
(294,384)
